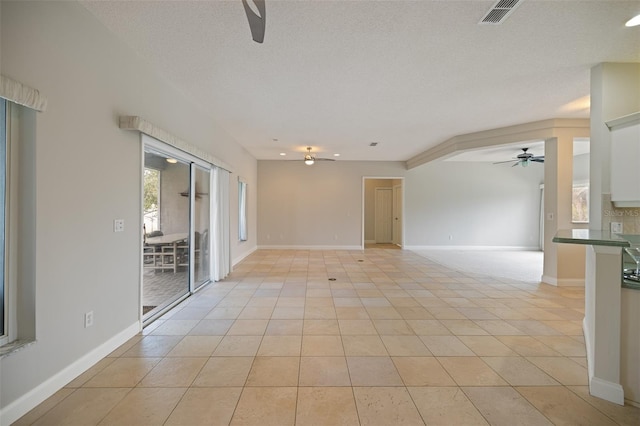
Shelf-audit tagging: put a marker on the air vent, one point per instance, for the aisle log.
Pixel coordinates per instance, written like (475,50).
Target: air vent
(499,12)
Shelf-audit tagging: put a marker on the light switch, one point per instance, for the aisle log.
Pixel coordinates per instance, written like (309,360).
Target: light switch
(118,225)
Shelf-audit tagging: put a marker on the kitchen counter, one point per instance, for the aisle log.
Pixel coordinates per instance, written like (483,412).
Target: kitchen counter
(610,325)
(599,238)
(594,238)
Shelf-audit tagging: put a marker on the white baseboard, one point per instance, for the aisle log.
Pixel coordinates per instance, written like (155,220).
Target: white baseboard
(571,282)
(606,390)
(313,247)
(562,282)
(486,248)
(609,391)
(243,256)
(35,396)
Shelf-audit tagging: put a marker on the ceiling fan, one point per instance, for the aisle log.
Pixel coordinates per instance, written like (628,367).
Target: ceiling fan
(257,20)
(524,159)
(309,159)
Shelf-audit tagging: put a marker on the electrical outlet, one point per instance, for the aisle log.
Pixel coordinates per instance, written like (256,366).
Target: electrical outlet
(616,227)
(118,225)
(88,319)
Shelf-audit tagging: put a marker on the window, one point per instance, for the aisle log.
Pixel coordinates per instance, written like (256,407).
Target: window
(17,225)
(242,210)
(3,180)
(580,203)
(19,106)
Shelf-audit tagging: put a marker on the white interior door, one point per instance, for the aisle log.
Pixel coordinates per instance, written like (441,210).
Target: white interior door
(397,215)
(384,215)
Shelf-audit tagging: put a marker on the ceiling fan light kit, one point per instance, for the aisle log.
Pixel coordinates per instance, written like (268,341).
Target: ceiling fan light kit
(310,159)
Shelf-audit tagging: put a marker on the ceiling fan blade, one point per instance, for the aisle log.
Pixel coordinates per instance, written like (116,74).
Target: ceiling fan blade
(516,164)
(508,161)
(537,159)
(257,23)
(324,159)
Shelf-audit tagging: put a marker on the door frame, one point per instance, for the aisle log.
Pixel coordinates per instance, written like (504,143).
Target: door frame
(397,190)
(402,230)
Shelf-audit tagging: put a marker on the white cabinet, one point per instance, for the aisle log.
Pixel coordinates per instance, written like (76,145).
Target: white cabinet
(625,160)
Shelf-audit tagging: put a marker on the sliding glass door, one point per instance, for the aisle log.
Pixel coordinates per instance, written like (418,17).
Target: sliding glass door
(166,231)
(202,226)
(176,227)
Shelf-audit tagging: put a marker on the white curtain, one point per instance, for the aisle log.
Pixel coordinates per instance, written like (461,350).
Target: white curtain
(220,221)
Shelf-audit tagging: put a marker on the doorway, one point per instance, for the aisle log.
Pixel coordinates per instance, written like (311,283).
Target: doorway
(382,212)
(383,217)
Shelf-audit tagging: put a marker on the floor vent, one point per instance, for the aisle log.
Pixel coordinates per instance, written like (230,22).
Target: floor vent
(499,12)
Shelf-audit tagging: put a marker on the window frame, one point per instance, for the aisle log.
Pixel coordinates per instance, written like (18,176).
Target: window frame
(6,334)
(242,210)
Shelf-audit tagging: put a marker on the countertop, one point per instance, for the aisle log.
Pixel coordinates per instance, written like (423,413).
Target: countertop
(595,238)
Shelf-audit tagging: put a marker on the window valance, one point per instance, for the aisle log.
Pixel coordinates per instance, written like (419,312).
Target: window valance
(20,94)
(131,122)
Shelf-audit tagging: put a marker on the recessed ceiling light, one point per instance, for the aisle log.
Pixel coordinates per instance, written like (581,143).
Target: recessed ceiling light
(283,153)
(633,22)
(336,155)
(172,160)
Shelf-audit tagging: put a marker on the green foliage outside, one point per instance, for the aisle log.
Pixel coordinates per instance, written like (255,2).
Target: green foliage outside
(151,189)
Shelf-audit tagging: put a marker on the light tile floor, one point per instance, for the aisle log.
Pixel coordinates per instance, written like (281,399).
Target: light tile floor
(395,339)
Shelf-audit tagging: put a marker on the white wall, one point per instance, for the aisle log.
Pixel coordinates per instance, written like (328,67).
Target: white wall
(88,173)
(476,204)
(319,205)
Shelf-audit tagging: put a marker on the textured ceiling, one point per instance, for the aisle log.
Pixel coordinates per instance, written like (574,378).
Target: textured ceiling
(338,75)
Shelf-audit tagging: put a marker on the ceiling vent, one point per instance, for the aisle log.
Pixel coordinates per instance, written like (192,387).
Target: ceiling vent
(499,12)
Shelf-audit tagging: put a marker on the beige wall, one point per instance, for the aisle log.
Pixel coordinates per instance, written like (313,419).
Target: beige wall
(319,205)
(564,264)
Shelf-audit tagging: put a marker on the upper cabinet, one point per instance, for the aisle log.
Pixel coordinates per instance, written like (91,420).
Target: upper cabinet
(625,160)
